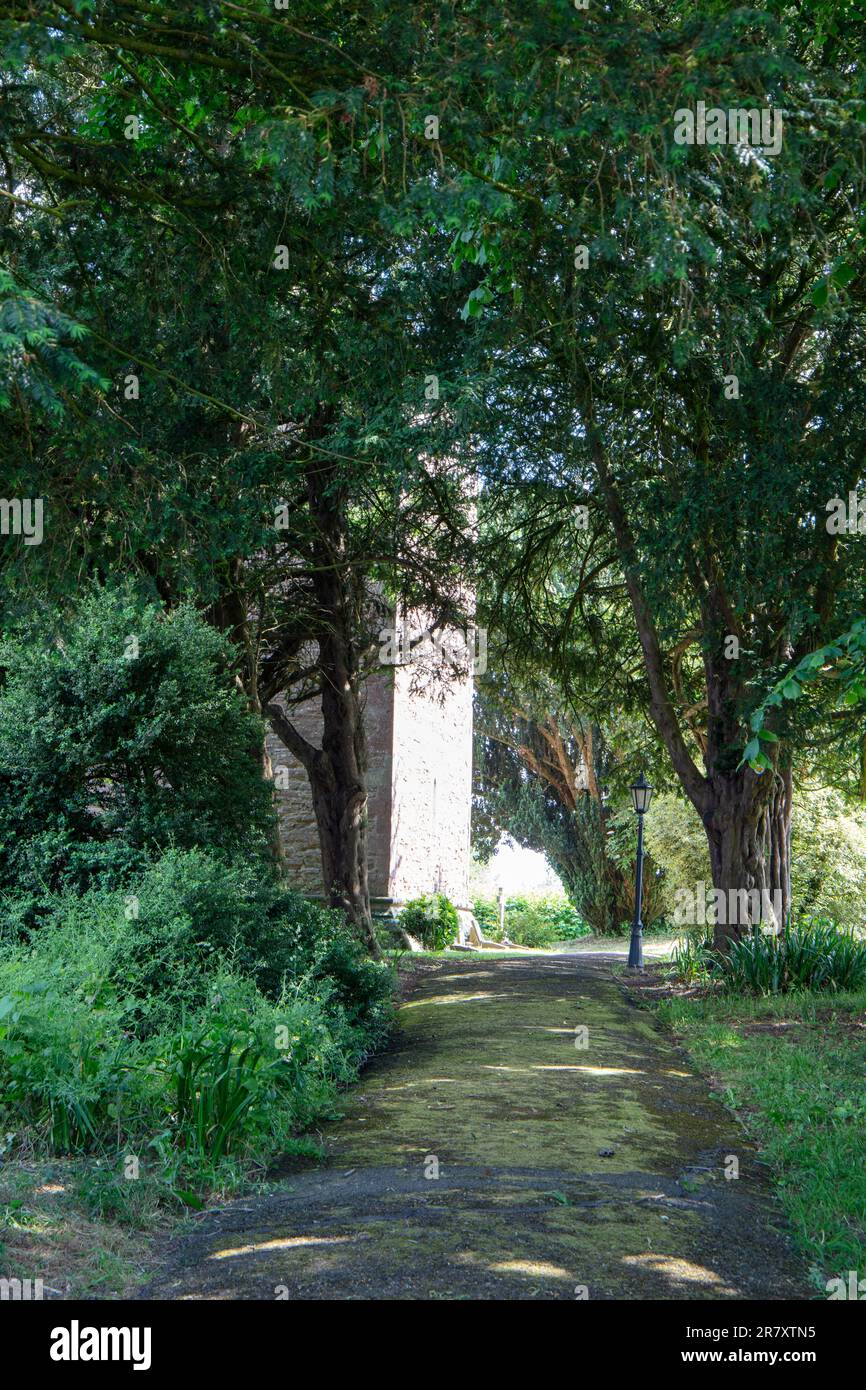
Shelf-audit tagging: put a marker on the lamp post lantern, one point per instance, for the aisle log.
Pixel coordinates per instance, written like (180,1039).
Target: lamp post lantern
(641,795)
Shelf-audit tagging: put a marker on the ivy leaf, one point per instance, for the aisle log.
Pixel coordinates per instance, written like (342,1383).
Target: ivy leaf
(843,274)
(820,294)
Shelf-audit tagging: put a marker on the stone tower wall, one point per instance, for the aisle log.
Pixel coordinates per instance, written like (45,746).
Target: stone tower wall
(419,785)
(431,788)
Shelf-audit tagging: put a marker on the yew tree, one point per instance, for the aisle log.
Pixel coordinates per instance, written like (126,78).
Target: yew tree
(675,337)
(215,341)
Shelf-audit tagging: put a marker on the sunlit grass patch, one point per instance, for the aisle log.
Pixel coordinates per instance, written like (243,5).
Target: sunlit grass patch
(794,1069)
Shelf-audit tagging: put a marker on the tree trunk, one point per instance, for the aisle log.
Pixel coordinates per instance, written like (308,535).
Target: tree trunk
(748,827)
(747,818)
(337,771)
(338,786)
(338,782)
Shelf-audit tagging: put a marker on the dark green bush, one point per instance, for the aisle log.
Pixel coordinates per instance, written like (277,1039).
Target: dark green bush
(432,920)
(314,946)
(161,994)
(120,735)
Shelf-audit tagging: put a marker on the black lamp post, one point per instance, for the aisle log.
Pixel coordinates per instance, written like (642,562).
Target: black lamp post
(641,795)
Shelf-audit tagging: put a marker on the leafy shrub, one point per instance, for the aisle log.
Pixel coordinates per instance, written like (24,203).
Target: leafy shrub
(161,994)
(219,1076)
(196,1076)
(315,947)
(431,920)
(532,921)
(693,957)
(191,914)
(68,1069)
(120,735)
(486,912)
(814,955)
(184,917)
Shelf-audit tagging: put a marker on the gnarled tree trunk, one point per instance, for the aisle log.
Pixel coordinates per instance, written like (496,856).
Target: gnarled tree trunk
(748,825)
(747,817)
(337,770)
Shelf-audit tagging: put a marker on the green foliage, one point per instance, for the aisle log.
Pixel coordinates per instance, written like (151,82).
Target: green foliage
(162,995)
(828,857)
(543,921)
(65,1061)
(814,955)
(791,1066)
(533,750)
(703,511)
(39,350)
(828,853)
(185,916)
(693,957)
(843,662)
(189,915)
(432,920)
(329,962)
(531,920)
(120,734)
(216,1074)
(219,1076)
(677,842)
(486,912)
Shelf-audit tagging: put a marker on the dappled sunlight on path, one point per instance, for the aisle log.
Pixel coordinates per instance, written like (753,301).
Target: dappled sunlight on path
(529,1134)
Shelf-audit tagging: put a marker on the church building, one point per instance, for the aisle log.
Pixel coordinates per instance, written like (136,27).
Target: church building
(419,778)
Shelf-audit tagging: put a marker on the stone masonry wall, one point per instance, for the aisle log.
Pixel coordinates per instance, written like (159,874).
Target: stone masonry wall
(295,803)
(420,790)
(431,788)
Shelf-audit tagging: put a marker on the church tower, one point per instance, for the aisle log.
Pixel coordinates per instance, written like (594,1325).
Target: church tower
(419,778)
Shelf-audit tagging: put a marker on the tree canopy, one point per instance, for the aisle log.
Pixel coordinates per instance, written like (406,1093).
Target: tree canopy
(333,263)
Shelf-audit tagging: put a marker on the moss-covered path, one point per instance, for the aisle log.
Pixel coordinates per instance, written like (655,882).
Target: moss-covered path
(561,1167)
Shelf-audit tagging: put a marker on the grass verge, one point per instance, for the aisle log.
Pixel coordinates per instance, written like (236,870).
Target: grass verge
(46,1233)
(793,1067)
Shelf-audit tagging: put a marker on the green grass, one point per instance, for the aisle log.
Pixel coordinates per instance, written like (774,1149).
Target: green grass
(794,1068)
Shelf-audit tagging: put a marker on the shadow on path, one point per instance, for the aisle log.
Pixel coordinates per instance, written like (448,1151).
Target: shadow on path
(561,1167)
